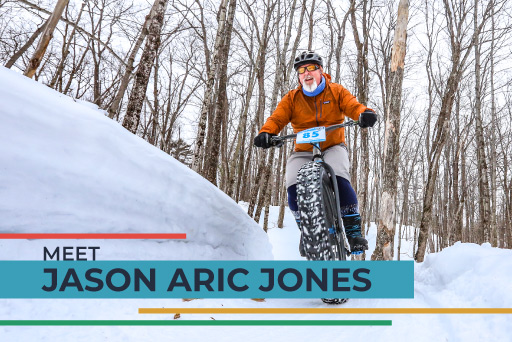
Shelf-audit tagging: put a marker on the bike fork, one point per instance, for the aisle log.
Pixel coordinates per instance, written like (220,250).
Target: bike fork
(341,231)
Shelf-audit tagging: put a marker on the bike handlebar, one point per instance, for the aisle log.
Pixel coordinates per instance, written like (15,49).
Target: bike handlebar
(277,139)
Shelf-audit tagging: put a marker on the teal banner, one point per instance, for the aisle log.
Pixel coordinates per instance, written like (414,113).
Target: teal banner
(207,279)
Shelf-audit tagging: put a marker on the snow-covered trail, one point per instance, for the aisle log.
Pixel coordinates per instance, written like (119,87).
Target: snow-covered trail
(444,280)
(462,276)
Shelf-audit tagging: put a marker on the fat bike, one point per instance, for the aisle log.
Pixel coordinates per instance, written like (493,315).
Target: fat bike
(323,234)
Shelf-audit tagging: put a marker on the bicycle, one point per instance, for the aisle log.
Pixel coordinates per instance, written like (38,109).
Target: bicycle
(323,234)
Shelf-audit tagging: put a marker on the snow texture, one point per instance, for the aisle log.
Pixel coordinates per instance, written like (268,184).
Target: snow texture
(65,167)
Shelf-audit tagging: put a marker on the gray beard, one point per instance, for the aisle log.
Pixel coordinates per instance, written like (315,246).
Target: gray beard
(311,88)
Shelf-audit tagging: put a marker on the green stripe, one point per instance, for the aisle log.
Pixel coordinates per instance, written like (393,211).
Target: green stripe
(190,322)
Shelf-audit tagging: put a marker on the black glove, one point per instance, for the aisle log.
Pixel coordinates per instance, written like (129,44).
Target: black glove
(263,140)
(368,118)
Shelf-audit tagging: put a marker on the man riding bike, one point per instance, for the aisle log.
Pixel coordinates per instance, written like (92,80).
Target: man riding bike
(319,102)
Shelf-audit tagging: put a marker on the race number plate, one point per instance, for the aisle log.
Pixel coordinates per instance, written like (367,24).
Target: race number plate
(312,135)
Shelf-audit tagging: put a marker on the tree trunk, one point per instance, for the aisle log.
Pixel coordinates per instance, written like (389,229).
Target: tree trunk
(267,180)
(237,161)
(442,126)
(260,75)
(135,102)
(339,41)
(311,26)
(266,203)
(493,143)
(284,201)
(385,228)
(208,94)
(212,157)
(282,207)
(65,53)
(27,44)
(484,204)
(264,184)
(277,176)
(458,202)
(76,67)
(38,55)
(257,186)
(125,80)
(362,84)
(243,187)
(153,136)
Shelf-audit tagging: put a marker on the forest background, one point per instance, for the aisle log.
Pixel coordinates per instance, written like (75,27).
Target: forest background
(198,78)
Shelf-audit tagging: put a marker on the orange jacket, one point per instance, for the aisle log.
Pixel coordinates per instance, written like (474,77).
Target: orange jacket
(326,109)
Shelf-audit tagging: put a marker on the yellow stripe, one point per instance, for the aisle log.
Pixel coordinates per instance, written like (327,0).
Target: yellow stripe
(325,310)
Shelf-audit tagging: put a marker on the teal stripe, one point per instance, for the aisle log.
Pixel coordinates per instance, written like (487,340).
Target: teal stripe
(193,322)
(56,279)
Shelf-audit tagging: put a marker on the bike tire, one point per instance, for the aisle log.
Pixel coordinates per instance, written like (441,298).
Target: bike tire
(318,213)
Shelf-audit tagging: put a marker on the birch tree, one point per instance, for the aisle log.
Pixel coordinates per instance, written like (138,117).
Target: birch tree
(210,82)
(484,202)
(385,229)
(135,102)
(220,117)
(47,35)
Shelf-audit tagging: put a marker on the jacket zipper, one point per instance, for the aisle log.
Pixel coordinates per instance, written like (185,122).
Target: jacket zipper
(316,113)
(322,106)
(322,144)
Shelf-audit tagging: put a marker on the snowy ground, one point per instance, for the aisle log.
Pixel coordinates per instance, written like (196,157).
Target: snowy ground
(462,276)
(64,167)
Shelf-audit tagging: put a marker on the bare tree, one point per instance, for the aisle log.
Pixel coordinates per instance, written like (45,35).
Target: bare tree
(114,106)
(27,44)
(455,14)
(362,85)
(263,40)
(311,25)
(340,32)
(385,229)
(65,52)
(483,182)
(47,35)
(208,95)
(132,117)
(214,137)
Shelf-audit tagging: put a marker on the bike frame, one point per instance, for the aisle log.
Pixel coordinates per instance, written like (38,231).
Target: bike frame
(318,157)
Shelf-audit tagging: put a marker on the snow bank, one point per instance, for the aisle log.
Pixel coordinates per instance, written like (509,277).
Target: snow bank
(65,167)
(467,272)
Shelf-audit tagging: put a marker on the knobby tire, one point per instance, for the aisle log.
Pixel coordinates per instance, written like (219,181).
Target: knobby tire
(318,213)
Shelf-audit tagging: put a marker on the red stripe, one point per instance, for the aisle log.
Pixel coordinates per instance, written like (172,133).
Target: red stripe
(109,236)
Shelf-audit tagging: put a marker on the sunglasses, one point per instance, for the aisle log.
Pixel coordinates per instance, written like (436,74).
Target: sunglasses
(309,68)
